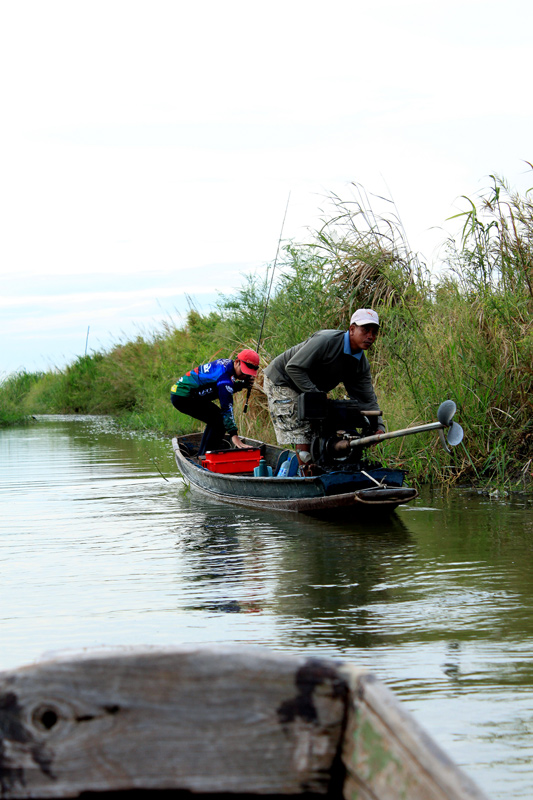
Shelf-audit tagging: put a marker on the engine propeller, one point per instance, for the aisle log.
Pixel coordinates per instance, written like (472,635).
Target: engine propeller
(445,416)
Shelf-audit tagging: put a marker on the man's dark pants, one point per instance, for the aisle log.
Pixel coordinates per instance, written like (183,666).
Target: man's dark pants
(205,411)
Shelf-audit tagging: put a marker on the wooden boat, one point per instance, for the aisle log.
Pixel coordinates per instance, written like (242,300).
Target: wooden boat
(341,490)
(214,722)
(346,480)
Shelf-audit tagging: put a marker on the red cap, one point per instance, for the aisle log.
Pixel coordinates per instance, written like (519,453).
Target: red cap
(249,361)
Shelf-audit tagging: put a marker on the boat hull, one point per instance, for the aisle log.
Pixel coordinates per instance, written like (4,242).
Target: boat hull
(209,722)
(340,491)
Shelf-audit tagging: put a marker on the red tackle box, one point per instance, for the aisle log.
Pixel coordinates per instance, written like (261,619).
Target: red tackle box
(232,460)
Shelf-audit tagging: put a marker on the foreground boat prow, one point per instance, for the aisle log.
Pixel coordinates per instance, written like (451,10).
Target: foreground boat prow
(214,721)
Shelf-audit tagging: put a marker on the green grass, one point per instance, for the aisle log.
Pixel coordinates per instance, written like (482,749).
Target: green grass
(14,393)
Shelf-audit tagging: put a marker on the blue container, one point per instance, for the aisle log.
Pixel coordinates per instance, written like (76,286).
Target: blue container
(289,468)
(262,470)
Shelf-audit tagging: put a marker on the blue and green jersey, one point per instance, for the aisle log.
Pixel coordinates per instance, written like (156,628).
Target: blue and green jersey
(214,381)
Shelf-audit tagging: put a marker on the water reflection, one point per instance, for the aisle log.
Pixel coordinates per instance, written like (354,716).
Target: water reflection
(220,564)
(332,583)
(320,576)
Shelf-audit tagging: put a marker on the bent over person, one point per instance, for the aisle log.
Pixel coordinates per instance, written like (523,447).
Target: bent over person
(322,362)
(194,393)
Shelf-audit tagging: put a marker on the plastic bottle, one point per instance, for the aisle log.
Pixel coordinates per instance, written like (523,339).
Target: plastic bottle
(284,469)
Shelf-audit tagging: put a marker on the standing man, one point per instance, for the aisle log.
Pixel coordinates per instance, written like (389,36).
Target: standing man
(326,359)
(193,394)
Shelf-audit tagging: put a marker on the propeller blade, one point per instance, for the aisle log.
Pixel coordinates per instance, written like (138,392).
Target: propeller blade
(446,412)
(443,440)
(455,434)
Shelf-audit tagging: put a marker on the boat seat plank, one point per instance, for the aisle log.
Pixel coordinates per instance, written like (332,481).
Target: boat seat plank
(203,721)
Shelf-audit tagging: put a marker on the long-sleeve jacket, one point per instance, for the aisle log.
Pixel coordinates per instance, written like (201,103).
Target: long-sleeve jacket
(321,363)
(215,380)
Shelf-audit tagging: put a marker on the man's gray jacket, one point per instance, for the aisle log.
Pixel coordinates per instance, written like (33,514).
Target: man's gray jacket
(320,364)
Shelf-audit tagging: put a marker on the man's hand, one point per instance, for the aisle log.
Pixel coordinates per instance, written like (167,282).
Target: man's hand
(246,382)
(239,444)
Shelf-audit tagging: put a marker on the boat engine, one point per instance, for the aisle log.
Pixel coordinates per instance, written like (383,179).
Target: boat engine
(335,425)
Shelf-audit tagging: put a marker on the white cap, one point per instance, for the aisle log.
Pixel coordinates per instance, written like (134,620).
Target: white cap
(364,316)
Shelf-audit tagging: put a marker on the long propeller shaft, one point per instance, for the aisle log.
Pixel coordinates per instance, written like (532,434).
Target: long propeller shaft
(380,437)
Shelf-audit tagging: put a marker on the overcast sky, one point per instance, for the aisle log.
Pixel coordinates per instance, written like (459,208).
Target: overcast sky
(148,148)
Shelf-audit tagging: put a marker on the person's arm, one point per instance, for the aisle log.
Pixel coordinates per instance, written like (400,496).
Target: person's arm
(361,388)
(309,355)
(225,396)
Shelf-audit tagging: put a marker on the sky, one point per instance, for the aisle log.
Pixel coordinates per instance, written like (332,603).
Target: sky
(148,149)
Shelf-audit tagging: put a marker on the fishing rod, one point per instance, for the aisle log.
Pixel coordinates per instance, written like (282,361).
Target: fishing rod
(248,393)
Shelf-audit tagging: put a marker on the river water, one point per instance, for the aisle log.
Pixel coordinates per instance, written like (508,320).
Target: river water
(101,544)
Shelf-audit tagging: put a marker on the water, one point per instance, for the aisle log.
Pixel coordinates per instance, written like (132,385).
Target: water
(97,549)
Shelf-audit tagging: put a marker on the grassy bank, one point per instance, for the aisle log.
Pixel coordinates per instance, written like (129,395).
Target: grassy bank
(14,392)
(465,334)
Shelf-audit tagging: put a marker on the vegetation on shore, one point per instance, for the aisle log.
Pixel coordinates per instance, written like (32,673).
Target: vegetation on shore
(465,333)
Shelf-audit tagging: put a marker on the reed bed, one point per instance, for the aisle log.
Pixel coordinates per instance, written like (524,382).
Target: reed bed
(465,333)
